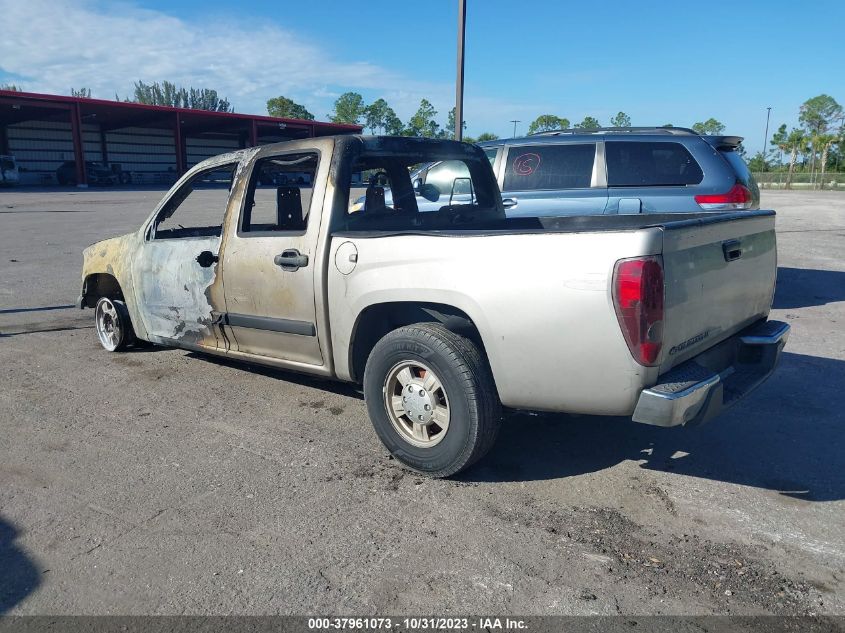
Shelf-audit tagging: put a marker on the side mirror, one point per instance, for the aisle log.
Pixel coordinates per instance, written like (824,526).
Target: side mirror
(417,184)
(429,192)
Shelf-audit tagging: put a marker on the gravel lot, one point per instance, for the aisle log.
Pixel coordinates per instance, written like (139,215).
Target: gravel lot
(161,481)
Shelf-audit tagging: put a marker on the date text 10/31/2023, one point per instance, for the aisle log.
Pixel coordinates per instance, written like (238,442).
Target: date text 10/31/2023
(416,623)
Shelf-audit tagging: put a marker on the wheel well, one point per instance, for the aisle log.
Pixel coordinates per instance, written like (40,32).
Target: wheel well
(100,285)
(377,320)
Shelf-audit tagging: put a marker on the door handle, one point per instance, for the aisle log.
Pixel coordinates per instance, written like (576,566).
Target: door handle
(509,203)
(206,259)
(291,259)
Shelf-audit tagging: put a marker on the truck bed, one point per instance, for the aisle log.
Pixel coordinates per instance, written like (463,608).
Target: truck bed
(540,290)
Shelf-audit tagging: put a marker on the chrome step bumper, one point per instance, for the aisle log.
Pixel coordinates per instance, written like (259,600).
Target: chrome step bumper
(702,387)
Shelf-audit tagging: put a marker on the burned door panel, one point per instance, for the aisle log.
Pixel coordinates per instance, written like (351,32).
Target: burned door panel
(173,290)
(176,265)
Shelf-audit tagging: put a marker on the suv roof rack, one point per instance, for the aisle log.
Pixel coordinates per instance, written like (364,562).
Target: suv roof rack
(677,131)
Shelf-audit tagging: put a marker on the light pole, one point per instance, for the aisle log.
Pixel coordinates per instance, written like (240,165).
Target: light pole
(515,121)
(459,83)
(766,137)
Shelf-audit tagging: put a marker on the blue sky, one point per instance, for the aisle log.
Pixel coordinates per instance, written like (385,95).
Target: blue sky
(660,62)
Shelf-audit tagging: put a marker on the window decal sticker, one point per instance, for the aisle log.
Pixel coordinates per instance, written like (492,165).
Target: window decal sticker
(526,164)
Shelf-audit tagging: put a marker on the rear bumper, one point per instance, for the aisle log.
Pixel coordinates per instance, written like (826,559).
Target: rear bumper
(702,387)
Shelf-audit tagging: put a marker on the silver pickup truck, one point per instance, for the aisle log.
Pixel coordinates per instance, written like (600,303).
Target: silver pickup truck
(449,315)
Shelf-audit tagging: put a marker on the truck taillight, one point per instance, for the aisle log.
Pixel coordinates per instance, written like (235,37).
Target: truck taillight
(738,197)
(638,299)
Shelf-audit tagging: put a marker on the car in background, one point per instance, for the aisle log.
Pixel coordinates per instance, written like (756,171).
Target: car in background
(96,174)
(9,174)
(605,171)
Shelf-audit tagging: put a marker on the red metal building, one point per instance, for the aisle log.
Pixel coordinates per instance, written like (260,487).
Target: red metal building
(151,144)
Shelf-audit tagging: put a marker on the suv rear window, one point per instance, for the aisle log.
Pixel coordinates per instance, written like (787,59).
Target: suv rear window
(550,167)
(648,164)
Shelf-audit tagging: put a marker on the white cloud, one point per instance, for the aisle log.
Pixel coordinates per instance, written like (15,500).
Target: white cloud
(51,46)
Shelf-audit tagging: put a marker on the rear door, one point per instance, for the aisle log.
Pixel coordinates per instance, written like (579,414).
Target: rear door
(268,259)
(553,179)
(650,176)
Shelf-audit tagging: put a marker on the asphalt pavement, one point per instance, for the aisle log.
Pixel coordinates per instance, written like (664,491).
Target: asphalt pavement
(165,482)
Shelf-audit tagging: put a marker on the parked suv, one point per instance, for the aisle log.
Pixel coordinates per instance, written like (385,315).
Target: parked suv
(605,171)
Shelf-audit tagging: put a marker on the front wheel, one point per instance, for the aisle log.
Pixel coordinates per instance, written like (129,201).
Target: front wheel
(114,329)
(432,399)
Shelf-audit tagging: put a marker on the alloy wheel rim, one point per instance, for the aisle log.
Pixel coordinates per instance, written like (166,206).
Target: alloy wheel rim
(109,328)
(417,404)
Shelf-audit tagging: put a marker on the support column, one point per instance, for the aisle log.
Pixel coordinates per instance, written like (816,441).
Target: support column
(78,148)
(179,142)
(253,134)
(4,140)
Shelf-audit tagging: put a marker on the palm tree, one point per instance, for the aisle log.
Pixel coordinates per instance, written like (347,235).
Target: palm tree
(796,142)
(825,141)
(814,148)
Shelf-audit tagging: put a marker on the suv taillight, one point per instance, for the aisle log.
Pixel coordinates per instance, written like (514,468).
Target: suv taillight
(738,197)
(638,299)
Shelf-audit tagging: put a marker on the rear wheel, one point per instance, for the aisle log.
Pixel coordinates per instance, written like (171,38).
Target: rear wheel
(431,398)
(114,329)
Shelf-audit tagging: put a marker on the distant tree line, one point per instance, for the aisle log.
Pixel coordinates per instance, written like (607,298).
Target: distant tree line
(167,93)
(378,117)
(550,122)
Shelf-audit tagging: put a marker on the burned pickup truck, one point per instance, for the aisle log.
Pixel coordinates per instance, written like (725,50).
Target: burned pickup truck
(445,315)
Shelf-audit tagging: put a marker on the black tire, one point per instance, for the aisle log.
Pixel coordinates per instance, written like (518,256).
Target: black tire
(113,325)
(473,403)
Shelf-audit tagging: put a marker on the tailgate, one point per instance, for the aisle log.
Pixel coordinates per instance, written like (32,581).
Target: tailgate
(720,276)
